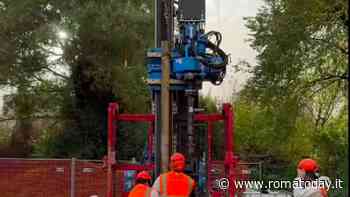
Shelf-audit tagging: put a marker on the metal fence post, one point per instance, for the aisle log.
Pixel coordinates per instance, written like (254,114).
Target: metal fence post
(260,170)
(72,177)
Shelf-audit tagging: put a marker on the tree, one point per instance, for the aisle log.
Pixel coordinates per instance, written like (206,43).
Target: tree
(104,57)
(72,80)
(302,49)
(301,75)
(302,57)
(24,66)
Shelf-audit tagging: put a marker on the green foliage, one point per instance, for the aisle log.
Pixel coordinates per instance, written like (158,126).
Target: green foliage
(302,48)
(257,127)
(72,80)
(132,137)
(26,29)
(104,56)
(209,104)
(332,144)
(295,104)
(261,136)
(45,145)
(5,135)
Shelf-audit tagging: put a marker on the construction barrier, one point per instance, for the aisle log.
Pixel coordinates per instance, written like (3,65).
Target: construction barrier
(54,178)
(73,178)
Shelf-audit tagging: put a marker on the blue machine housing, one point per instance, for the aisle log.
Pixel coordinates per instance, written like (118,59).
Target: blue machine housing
(189,60)
(154,62)
(181,66)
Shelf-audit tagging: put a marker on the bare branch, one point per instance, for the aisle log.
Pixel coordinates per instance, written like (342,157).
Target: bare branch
(326,78)
(56,73)
(50,52)
(322,88)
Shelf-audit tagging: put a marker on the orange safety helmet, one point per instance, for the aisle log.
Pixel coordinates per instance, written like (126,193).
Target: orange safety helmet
(308,165)
(177,162)
(143,175)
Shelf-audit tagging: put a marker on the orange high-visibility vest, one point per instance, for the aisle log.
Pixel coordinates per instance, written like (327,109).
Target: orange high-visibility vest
(140,190)
(175,184)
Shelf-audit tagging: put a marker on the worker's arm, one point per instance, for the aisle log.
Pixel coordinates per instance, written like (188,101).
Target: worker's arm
(155,188)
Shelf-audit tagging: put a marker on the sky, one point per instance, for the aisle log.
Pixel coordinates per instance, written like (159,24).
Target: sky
(226,16)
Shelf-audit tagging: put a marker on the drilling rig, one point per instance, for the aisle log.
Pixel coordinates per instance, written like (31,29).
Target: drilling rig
(184,57)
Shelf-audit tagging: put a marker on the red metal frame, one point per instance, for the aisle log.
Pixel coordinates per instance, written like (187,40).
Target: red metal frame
(112,164)
(229,162)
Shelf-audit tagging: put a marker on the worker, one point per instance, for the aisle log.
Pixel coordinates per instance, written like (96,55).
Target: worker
(308,175)
(142,187)
(175,182)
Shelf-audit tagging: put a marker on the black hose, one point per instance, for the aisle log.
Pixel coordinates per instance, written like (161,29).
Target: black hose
(220,78)
(215,47)
(217,51)
(217,35)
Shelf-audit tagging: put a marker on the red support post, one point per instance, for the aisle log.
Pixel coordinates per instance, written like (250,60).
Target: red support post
(112,114)
(208,117)
(136,117)
(229,162)
(210,141)
(229,156)
(112,164)
(228,133)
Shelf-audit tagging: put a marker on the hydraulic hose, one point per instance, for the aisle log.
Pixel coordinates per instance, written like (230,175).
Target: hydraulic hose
(205,58)
(219,52)
(215,47)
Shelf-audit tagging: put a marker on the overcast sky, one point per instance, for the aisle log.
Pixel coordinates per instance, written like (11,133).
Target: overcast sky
(226,16)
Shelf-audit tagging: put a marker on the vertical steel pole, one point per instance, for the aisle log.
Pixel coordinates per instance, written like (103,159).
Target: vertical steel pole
(190,134)
(165,21)
(209,156)
(156,94)
(157,132)
(165,106)
(157,23)
(72,177)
